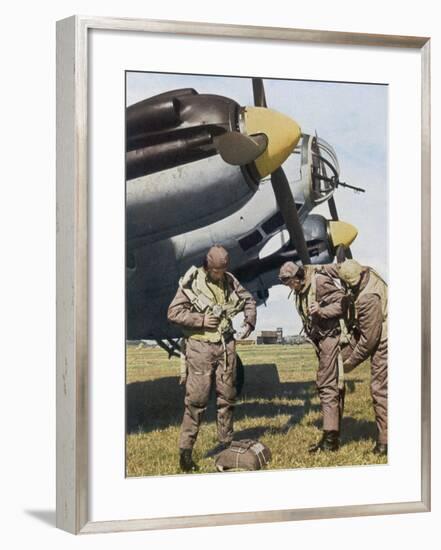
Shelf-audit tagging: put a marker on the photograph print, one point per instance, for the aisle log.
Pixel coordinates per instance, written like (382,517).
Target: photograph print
(256,274)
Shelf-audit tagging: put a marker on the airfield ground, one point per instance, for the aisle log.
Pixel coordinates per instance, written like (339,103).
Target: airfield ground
(279,406)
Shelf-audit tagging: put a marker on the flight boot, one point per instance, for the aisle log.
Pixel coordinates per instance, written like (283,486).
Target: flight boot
(186,462)
(380,449)
(329,442)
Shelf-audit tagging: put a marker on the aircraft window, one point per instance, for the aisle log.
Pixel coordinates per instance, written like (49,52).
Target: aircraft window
(273,223)
(250,240)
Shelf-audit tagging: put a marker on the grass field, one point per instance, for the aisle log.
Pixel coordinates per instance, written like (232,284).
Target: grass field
(279,406)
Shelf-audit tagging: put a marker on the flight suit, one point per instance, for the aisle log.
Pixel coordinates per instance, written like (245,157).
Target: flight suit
(369,340)
(210,360)
(323,329)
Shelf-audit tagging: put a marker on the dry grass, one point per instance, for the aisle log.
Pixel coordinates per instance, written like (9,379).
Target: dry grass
(278,406)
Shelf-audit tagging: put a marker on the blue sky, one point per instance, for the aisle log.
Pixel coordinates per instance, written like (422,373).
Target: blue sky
(352,117)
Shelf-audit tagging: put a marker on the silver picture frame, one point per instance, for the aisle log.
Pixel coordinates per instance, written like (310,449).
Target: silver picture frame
(72,270)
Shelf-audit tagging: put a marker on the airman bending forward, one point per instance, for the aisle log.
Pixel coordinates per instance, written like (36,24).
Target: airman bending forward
(319,303)
(207,300)
(367,314)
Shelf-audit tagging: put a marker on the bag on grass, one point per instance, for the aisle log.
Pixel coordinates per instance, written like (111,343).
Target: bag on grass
(245,454)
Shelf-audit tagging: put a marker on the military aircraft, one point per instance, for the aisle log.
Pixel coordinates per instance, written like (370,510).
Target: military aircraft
(202,170)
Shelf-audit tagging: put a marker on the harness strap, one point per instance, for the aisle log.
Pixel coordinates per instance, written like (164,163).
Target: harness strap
(304,300)
(182,361)
(312,294)
(200,302)
(344,333)
(224,348)
(378,275)
(341,372)
(258,458)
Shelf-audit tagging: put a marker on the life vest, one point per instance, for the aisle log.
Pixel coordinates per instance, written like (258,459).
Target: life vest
(375,285)
(305,298)
(206,297)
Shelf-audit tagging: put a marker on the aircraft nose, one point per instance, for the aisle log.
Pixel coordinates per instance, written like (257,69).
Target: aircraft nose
(283,134)
(342,233)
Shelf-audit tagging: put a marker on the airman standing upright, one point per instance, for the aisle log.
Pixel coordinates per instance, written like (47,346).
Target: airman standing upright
(206,301)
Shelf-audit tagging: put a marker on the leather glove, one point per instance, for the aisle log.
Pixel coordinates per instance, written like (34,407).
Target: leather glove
(314,309)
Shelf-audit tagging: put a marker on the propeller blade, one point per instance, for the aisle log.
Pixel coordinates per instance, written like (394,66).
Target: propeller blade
(239,149)
(340,254)
(259,93)
(287,207)
(333,209)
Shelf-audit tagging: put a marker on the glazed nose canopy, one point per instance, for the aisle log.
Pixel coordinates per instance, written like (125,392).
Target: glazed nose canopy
(342,233)
(283,134)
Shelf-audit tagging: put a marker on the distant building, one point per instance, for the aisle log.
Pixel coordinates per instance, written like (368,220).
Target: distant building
(270,336)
